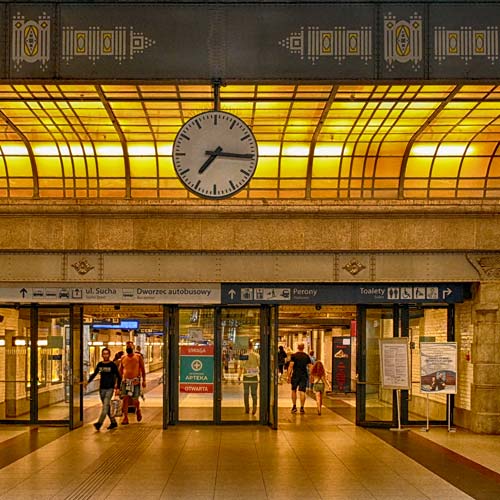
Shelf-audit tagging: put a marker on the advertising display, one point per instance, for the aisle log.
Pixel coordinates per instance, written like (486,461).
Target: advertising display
(197,369)
(438,367)
(341,380)
(394,363)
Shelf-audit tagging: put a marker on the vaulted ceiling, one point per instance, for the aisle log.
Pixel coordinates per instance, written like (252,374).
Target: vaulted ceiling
(316,142)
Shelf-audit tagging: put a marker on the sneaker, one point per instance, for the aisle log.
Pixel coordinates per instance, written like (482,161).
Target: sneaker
(302,409)
(139,415)
(125,422)
(97,426)
(294,409)
(112,425)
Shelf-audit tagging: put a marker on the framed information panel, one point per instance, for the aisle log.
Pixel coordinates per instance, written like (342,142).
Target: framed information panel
(394,363)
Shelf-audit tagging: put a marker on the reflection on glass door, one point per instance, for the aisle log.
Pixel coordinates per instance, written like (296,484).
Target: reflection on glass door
(196,352)
(15,370)
(374,405)
(54,374)
(241,362)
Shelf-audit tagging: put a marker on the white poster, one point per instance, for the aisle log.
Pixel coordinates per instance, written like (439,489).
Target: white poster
(395,368)
(438,367)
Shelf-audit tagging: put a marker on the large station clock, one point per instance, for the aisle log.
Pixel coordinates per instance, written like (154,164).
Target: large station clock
(215,154)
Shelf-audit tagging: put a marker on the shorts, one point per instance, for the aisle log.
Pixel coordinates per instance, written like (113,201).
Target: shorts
(319,387)
(135,389)
(301,383)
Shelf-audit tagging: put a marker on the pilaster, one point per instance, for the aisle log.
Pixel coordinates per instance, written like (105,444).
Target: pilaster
(485,390)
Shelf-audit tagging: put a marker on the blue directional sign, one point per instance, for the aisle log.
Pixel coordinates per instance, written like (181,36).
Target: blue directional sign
(351,293)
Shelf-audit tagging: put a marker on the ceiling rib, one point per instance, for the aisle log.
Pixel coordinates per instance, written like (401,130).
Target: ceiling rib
(417,134)
(31,154)
(123,141)
(314,139)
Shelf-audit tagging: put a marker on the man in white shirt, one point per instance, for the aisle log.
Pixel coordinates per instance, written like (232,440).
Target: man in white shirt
(249,370)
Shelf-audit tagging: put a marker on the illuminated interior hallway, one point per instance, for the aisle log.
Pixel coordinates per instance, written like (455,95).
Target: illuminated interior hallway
(376,166)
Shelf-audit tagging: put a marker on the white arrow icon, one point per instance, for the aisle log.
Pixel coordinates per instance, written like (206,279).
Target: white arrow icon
(447,292)
(232,293)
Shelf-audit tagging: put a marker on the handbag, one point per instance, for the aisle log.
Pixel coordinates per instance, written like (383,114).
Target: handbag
(116,407)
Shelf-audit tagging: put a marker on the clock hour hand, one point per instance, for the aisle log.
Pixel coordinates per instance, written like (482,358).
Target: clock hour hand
(225,154)
(212,157)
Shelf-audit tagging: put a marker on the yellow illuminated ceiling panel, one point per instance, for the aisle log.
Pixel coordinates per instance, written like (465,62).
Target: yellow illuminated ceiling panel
(365,141)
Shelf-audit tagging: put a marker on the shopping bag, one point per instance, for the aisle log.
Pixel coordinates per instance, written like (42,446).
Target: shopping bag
(116,407)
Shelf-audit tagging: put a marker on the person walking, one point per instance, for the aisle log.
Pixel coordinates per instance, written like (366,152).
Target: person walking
(298,375)
(319,382)
(249,370)
(281,362)
(108,383)
(132,371)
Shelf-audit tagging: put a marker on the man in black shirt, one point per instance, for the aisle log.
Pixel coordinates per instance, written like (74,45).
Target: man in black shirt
(298,374)
(110,380)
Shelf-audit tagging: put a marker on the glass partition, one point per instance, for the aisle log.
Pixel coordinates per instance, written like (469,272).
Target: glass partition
(241,352)
(196,364)
(426,325)
(54,373)
(374,404)
(15,374)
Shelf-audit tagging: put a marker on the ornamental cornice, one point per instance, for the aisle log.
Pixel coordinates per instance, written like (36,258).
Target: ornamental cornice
(252,208)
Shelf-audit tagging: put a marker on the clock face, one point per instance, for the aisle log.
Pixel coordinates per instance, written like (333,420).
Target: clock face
(215,154)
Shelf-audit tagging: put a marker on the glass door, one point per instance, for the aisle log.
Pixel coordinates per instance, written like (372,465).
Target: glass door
(219,362)
(426,324)
(169,327)
(75,376)
(16,390)
(273,326)
(242,356)
(40,365)
(58,385)
(192,375)
(374,406)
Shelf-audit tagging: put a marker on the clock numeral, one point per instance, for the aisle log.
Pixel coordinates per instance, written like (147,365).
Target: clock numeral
(245,172)
(184,136)
(245,137)
(198,124)
(215,119)
(184,172)
(197,184)
(232,185)
(215,189)
(180,154)
(233,123)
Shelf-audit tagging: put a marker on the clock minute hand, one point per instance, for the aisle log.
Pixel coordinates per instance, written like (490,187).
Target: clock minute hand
(213,156)
(229,155)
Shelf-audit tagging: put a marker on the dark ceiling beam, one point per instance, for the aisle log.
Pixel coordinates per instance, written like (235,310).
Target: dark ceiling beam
(123,140)
(314,139)
(417,134)
(31,155)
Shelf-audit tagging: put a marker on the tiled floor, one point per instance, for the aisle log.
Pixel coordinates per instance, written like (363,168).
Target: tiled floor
(309,457)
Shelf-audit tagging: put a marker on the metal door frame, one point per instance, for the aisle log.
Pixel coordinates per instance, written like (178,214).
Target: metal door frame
(171,367)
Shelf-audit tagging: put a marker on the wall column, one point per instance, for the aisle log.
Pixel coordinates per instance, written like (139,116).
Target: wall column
(485,390)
